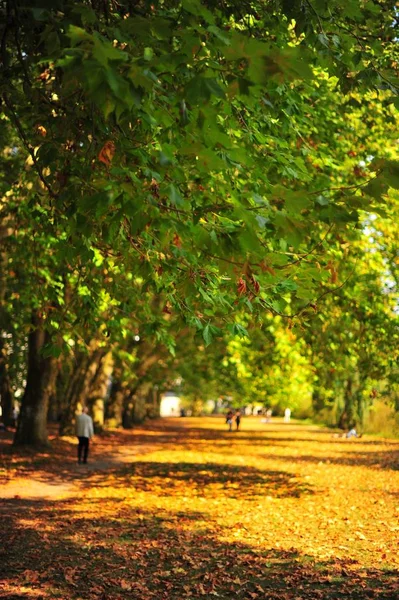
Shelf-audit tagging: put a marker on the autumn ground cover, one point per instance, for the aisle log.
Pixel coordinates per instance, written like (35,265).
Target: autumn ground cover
(183,509)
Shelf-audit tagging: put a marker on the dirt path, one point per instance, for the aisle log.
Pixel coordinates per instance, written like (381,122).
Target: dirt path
(56,474)
(184,509)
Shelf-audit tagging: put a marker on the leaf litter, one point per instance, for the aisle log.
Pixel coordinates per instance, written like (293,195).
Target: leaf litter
(183,509)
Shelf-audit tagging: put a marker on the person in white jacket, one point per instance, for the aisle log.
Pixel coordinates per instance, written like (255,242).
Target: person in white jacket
(84,432)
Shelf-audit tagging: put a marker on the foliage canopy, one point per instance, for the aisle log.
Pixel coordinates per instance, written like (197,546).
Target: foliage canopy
(181,165)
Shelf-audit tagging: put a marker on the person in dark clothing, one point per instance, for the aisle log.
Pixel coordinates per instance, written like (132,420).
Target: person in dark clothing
(83,449)
(238,420)
(229,419)
(84,432)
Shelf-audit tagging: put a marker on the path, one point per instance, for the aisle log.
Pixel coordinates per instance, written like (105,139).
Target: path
(183,509)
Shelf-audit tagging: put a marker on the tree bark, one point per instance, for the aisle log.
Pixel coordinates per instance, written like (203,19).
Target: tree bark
(127,422)
(115,406)
(140,404)
(347,418)
(6,395)
(98,391)
(40,383)
(79,386)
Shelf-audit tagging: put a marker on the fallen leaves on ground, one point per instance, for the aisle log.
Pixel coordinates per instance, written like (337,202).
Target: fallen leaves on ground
(184,509)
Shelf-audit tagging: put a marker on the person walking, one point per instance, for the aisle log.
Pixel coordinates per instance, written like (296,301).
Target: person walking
(238,420)
(84,432)
(287,415)
(229,419)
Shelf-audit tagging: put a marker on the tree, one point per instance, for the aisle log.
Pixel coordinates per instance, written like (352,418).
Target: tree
(354,341)
(188,154)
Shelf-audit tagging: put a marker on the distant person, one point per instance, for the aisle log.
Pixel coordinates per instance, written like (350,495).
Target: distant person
(238,420)
(269,413)
(353,433)
(84,432)
(229,419)
(287,415)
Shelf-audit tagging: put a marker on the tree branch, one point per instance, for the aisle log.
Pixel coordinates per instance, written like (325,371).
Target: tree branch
(311,303)
(28,147)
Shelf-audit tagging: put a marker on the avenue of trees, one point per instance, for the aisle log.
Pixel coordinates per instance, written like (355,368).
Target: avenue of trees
(197,191)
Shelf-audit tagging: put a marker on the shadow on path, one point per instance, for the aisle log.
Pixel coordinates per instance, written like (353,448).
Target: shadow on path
(137,554)
(54,471)
(377,460)
(202,479)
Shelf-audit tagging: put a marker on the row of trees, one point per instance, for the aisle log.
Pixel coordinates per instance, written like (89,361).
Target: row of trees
(196,190)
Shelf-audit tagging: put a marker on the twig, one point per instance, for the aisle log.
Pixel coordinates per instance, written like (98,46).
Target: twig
(4,38)
(311,303)
(348,187)
(278,267)
(28,147)
(18,45)
(317,15)
(320,243)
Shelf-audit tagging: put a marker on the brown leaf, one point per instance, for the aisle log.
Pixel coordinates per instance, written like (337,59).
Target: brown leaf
(41,130)
(267,268)
(241,286)
(31,576)
(154,188)
(125,585)
(255,284)
(45,75)
(333,271)
(69,575)
(177,241)
(106,153)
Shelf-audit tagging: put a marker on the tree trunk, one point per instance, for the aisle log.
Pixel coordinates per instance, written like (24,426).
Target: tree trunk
(99,389)
(6,396)
(143,405)
(40,383)
(79,386)
(57,405)
(139,409)
(347,418)
(127,421)
(318,402)
(156,402)
(116,403)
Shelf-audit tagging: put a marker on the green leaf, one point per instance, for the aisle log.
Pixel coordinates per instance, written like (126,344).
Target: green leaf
(323,39)
(262,221)
(197,9)
(51,350)
(207,335)
(201,89)
(148,53)
(78,35)
(391,173)
(238,330)
(377,187)
(174,195)
(221,35)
